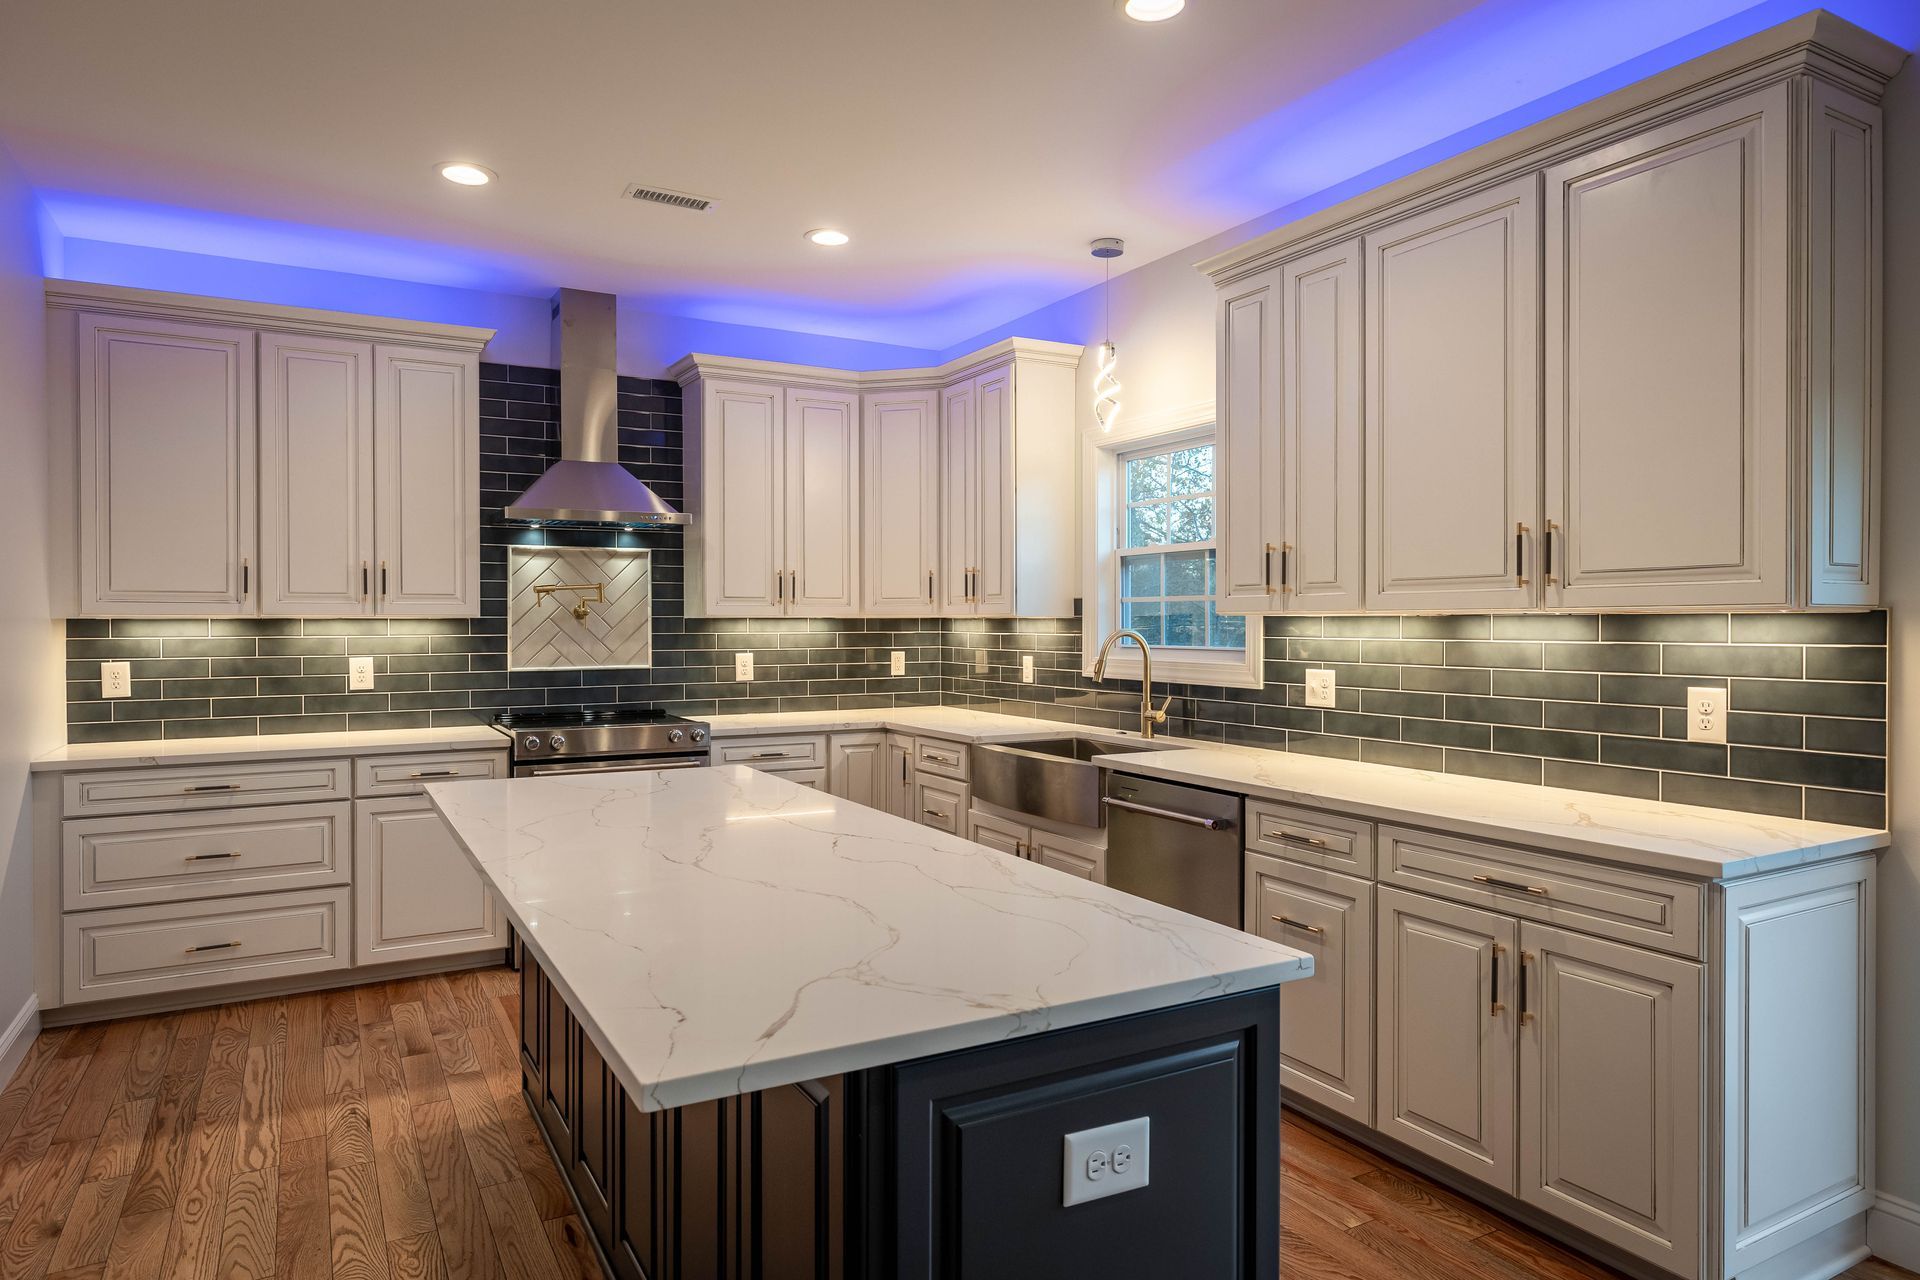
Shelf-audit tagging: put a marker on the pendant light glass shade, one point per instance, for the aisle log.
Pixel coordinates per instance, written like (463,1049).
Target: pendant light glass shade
(1106,382)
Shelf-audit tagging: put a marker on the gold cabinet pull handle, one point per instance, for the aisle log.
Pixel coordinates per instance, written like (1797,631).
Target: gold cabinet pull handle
(211,857)
(1266,568)
(1495,1008)
(214,946)
(1526,962)
(211,786)
(1519,554)
(1312,842)
(434,773)
(1534,889)
(1291,923)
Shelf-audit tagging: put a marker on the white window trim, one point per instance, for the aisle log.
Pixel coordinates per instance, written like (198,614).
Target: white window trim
(1100,591)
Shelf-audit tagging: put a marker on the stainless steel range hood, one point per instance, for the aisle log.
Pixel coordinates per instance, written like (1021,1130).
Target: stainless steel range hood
(588,485)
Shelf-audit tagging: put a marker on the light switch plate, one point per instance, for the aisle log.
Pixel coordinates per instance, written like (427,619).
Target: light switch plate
(116,680)
(1706,715)
(899,660)
(1104,1162)
(980,660)
(1320,687)
(360,673)
(1026,668)
(743,666)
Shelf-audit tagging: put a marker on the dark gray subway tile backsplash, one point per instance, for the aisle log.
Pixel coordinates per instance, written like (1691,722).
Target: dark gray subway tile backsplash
(1588,702)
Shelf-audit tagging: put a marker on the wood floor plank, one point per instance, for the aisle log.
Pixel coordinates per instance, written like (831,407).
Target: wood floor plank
(303,1105)
(1541,1257)
(489,1150)
(456,1053)
(443,1013)
(416,1258)
(87,1233)
(349,1136)
(467,999)
(548,1189)
(156,1174)
(466,1241)
(139,1244)
(256,1142)
(425,1081)
(373,1005)
(525,1251)
(34,1232)
(13,1099)
(406,1206)
(268,1024)
(52,1093)
(356,1240)
(118,1147)
(101,1087)
(300,1247)
(410,1025)
(148,1065)
(246,1234)
(572,1249)
(341,1016)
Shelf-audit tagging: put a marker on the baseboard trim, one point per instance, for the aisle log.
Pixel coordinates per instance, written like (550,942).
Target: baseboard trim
(18,1038)
(1893,1231)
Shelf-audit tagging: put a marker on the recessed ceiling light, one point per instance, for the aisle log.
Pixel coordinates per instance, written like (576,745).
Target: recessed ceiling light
(1153,10)
(828,237)
(467,175)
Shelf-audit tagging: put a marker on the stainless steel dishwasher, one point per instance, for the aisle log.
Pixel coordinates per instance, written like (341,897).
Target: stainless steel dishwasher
(1175,844)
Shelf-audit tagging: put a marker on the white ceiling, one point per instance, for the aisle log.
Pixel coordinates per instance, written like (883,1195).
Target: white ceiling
(971,148)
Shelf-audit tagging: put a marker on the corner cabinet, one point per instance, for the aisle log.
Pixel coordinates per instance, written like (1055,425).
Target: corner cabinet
(235,460)
(907,493)
(1628,358)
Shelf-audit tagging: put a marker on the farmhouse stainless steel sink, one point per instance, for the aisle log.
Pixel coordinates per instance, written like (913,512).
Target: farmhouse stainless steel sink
(1050,777)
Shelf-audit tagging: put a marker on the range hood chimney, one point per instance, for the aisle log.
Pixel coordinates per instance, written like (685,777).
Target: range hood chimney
(588,486)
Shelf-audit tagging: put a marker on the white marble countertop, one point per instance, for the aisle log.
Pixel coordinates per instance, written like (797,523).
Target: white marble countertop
(720,931)
(279,746)
(1711,843)
(958,723)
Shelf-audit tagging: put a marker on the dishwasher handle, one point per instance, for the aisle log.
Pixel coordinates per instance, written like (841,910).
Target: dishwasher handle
(1174,815)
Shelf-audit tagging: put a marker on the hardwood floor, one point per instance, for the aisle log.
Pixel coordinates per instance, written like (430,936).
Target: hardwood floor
(377,1133)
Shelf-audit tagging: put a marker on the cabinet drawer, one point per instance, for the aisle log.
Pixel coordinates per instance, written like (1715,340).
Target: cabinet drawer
(940,803)
(1307,835)
(166,789)
(130,951)
(1611,902)
(785,753)
(173,857)
(937,755)
(405,775)
(815,778)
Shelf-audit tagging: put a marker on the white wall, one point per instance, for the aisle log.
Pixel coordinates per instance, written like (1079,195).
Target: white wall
(31,687)
(1899,1063)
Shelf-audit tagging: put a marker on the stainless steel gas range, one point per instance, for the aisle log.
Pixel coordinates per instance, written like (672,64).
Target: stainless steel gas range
(594,740)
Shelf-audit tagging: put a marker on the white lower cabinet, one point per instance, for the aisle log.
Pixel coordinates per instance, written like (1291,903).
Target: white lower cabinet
(1076,857)
(1326,1051)
(857,768)
(899,780)
(1610,1097)
(415,892)
(1445,1027)
(940,802)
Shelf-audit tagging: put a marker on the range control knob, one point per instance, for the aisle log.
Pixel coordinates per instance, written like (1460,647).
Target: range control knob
(557,741)
(531,742)
(699,735)
(674,735)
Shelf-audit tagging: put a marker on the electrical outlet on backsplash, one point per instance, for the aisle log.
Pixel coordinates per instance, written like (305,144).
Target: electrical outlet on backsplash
(1588,702)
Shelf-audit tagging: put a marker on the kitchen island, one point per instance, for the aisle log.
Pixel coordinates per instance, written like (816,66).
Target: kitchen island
(768,1032)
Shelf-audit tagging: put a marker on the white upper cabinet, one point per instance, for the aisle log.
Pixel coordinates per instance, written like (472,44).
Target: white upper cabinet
(901,448)
(427,481)
(1453,422)
(165,462)
(905,492)
(1666,361)
(216,458)
(822,533)
(316,476)
(1628,358)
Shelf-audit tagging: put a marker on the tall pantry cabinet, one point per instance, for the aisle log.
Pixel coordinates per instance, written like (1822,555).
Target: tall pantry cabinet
(1627,358)
(234,459)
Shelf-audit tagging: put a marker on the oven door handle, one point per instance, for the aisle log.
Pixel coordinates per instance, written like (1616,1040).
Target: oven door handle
(605,766)
(1172,815)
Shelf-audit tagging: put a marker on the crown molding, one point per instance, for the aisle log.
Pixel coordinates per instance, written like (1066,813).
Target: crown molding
(698,365)
(73,295)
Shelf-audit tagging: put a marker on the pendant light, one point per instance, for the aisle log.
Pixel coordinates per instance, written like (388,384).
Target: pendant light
(1106,386)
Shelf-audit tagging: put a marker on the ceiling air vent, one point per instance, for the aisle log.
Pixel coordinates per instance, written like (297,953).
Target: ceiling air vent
(660,195)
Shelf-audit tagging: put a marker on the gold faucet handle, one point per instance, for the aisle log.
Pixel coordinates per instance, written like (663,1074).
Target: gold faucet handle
(1160,715)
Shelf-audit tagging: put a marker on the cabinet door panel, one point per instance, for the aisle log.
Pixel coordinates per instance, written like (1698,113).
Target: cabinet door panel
(1445,1028)
(1075,857)
(638,1252)
(1453,399)
(427,481)
(1252,454)
(1610,1103)
(1326,1021)
(857,768)
(590,1166)
(994,521)
(959,500)
(743,498)
(899,775)
(902,509)
(415,893)
(316,475)
(1320,422)
(557,1081)
(822,536)
(1666,363)
(794,1170)
(167,479)
(998,834)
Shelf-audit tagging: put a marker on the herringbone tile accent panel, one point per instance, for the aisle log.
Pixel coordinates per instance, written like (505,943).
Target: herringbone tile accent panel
(542,632)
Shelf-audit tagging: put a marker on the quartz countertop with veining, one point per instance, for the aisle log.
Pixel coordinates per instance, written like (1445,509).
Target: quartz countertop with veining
(289,746)
(721,931)
(1715,844)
